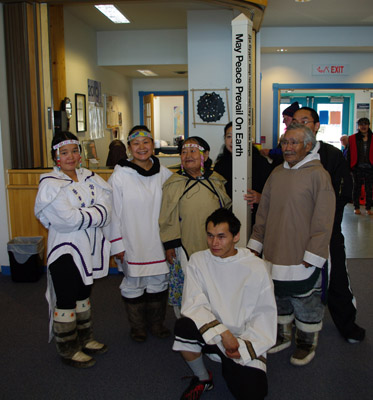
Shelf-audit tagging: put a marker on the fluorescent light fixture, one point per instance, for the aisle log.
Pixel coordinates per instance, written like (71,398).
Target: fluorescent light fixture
(147,72)
(112,13)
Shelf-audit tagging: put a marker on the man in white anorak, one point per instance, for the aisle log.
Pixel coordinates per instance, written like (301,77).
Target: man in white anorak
(229,312)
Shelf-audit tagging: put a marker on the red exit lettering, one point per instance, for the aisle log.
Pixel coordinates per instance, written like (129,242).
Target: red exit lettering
(336,69)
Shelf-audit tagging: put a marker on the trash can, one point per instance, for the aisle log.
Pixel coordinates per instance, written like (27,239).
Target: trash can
(26,258)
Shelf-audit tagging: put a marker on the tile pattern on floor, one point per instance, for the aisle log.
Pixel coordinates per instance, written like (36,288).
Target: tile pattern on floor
(358,233)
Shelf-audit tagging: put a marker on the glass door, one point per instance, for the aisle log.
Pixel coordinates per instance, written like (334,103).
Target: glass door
(333,112)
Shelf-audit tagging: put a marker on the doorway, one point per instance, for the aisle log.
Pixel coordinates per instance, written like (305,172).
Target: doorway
(165,114)
(356,92)
(333,109)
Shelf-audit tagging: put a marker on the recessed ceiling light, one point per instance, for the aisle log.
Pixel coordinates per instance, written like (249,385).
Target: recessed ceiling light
(112,13)
(147,72)
(282,50)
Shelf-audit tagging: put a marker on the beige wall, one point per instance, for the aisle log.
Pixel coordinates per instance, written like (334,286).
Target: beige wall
(81,65)
(297,68)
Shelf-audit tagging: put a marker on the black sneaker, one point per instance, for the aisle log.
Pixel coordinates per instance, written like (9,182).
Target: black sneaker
(196,388)
(357,335)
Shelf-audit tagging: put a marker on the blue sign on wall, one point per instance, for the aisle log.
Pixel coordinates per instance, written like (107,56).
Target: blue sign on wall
(324,117)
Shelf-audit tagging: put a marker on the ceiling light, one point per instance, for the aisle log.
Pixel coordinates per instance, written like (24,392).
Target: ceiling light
(112,13)
(302,1)
(282,50)
(147,72)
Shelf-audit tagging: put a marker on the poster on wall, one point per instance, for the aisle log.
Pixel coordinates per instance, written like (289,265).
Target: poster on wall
(178,121)
(94,91)
(112,113)
(362,110)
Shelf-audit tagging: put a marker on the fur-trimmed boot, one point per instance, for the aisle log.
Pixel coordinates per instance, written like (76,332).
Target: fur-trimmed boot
(135,308)
(306,343)
(283,340)
(156,304)
(85,332)
(67,342)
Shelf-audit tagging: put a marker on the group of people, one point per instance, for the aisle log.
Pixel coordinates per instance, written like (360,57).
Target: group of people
(340,299)
(174,237)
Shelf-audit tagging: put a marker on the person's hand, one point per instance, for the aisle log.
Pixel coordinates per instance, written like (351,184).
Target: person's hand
(252,197)
(255,252)
(120,256)
(306,264)
(264,152)
(171,256)
(230,344)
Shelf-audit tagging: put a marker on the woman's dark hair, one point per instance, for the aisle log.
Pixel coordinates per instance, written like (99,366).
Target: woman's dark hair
(60,137)
(117,151)
(138,128)
(229,125)
(222,215)
(224,152)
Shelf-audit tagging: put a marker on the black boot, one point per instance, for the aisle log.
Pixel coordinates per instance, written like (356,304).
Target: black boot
(136,316)
(85,332)
(67,342)
(156,304)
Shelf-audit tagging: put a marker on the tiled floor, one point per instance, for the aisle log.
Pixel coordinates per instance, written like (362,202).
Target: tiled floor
(358,233)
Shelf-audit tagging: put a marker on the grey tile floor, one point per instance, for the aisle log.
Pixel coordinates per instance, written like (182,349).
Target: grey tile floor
(358,233)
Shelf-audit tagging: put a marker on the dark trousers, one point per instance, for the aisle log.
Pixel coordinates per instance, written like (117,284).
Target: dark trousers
(340,297)
(68,283)
(245,383)
(362,176)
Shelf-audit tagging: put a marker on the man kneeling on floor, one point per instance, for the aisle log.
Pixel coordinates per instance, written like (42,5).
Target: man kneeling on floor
(229,313)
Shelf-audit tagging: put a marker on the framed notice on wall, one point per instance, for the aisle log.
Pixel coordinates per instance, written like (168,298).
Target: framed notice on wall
(80,109)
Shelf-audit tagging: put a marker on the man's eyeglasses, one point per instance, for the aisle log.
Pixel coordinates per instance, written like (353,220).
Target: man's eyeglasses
(291,142)
(303,121)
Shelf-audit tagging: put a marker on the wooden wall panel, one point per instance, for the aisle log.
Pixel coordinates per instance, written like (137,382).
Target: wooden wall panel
(34,82)
(57,47)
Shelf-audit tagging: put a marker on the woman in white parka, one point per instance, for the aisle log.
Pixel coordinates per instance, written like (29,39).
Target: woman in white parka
(134,235)
(74,204)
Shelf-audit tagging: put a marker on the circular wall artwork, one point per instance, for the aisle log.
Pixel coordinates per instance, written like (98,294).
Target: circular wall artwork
(210,107)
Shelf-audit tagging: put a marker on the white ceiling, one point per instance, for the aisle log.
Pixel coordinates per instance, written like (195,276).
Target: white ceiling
(318,13)
(173,15)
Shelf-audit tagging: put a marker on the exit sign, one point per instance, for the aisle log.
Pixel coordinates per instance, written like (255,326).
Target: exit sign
(330,69)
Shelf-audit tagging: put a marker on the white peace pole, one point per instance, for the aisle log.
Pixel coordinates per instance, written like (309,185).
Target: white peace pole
(242,120)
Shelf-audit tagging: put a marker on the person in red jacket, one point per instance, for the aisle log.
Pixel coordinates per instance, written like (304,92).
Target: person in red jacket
(360,158)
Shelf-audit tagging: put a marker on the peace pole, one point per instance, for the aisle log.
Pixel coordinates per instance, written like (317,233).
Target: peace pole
(242,121)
